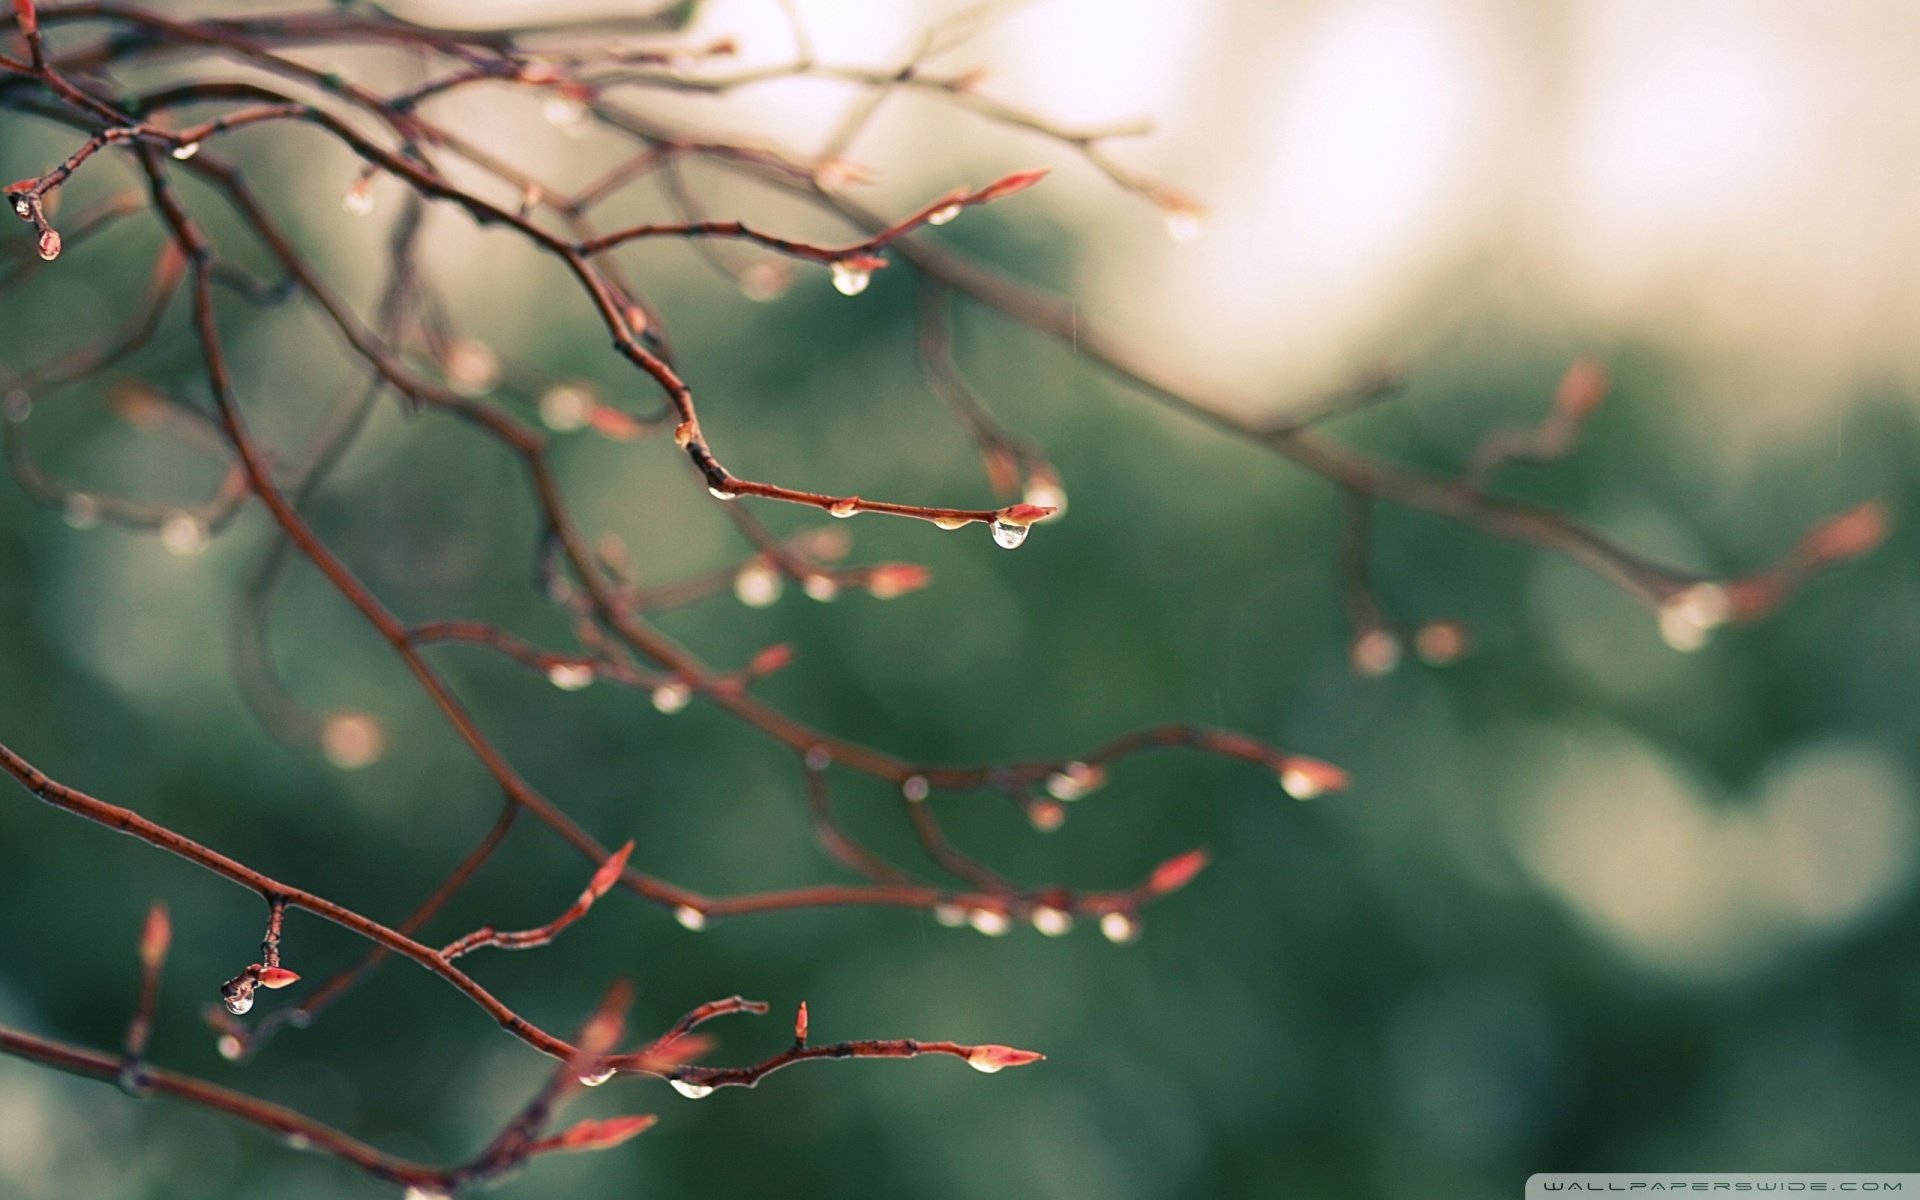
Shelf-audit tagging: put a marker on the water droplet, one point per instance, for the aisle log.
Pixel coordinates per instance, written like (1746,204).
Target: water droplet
(297,1141)
(358,198)
(1119,928)
(757,585)
(719,493)
(80,511)
(1184,225)
(914,788)
(951,915)
(186,150)
(567,407)
(844,508)
(183,534)
(670,698)
(1008,534)
(820,587)
(228,1046)
(596,1078)
(765,282)
(564,112)
(691,1090)
(1375,653)
(819,758)
(990,921)
(943,216)
(352,740)
(1688,617)
(1300,784)
(570,676)
(850,280)
(1054,922)
(952,522)
(690,917)
(23,208)
(1075,780)
(471,366)
(49,244)
(17,406)
(985,1064)
(239,1003)
(417,1192)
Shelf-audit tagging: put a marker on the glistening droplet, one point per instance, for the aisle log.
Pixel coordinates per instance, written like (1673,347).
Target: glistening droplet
(850,280)
(692,1091)
(1008,534)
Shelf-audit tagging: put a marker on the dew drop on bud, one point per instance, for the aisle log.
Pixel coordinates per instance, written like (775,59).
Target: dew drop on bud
(670,698)
(820,587)
(844,508)
(228,1047)
(1008,534)
(951,915)
(238,1003)
(570,676)
(819,758)
(765,282)
(692,1091)
(1075,780)
(1054,922)
(914,788)
(183,534)
(567,407)
(850,280)
(357,201)
(1119,928)
(352,740)
(943,216)
(690,917)
(596,1078)
(720,493)
(990,921)
(757,585)
(1184,225)
(1689,616)
(185,151)
(1299,784)
(1375,653)
(49,244)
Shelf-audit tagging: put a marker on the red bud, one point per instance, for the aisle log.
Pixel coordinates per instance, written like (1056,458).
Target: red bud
(609,872)
(771,659)
(1177,872)
(1581,389)
(800,1023)
(1848,535)
(601,1134)
(277,977)
(155,936)
(996,1058)
(1019,181)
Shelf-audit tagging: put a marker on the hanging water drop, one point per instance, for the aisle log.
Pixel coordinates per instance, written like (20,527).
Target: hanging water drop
(914,788)
(239,1003)
(183,534)
(1119,928)
(757,585)
(851,280)
(951,523)
(690,917)
(1075,780)
(943,216)
(820,587)
(358,200)
(670,698)
(990,921)
(1054,922)
(720,493)
(844,508)
(596,1078)
(186,150)
(570,676)
(1008,534)
(1300,784)
(1688,617)
(951,915)
(691,1090)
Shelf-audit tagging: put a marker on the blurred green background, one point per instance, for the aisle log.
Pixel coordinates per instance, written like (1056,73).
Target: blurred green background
(1589,905)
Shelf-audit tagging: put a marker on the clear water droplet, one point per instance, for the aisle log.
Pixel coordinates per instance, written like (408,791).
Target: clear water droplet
(238,1003)
(183,534)
(569,676)
(670,698)
(1119,928)
(185,151)
(358,198)
(943,216)
(757,585)
(690,917)
(844,508)
(1054,922)
(596,1078)
(990,921)
(567,407)
(820,587)
(985,1065)
(691,1090)
(951,915)
(850,280)
(722,493)
(951,523)
(1074,780)
(1008,534)
(914,788)
(417,1192)
(1688,617)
